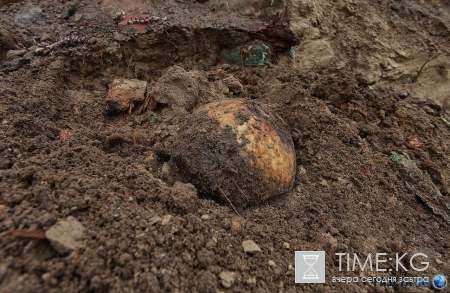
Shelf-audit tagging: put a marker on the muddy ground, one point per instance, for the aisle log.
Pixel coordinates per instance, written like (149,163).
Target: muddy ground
(344,77)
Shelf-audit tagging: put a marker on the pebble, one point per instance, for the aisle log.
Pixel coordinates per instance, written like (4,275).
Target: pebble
(153,220)
(78,17)
(14,65)
(166,220)
(438,261)
(342,181)
(324,183)
(235,226)
(68,11)
(434,104)
(165,170)
(205,217)
(428,110)
(251,247)
(30,16)
(271,263)
(46,37)
(227,278)
(119,37)
(286,245)
(14,53)
(66,235)
(251,280)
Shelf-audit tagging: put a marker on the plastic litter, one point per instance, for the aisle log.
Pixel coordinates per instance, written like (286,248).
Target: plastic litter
(255,54)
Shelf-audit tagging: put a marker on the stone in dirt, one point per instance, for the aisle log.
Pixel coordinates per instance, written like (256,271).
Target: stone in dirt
(124,94)
(30,16)
(227,278)
(251,247)
(65,236)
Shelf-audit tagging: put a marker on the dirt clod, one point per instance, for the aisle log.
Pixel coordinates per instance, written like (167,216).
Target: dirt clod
(65,236)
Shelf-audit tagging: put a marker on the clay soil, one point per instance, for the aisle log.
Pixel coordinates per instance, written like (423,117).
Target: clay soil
(350,97)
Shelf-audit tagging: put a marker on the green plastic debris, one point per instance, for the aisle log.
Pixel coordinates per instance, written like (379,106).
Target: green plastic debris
(38,51)
(419,182)
(154,117)
(445,121)
(249,55)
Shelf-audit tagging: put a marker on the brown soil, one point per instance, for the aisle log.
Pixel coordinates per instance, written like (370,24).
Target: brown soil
(349,98)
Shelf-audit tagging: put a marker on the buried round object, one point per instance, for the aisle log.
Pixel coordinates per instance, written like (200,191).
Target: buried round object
(236,149)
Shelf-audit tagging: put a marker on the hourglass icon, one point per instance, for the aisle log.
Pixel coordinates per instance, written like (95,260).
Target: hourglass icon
(310,273)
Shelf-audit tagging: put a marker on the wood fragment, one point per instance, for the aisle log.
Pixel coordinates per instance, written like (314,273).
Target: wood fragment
(27,234)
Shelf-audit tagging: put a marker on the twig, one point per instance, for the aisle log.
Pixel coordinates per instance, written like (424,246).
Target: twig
(245,196)
(229,201)
(431,58)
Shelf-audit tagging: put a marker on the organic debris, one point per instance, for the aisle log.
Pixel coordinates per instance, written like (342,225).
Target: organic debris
(27,234)
(115,139)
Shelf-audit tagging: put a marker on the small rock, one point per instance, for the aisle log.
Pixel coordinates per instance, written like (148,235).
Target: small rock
(3,207)
(342,181)
(437,105)
(250,247)
(251,280)
(428,110)
(235,226)
(233,84)
(29,17)
(227,278)
(165,170)
(418,99)
(125,93)
(45,277)
(92,40)
(205,217)
(166,220)
(65,236)
(286,245)
(119,37)
(153,220)
(301,171)
(14,64)
(438,261)
(333,231)
(78,17)
(324,183)
(271,263)
(68,11)
(14,53)
(390,202)
(413,143)
(46,37)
